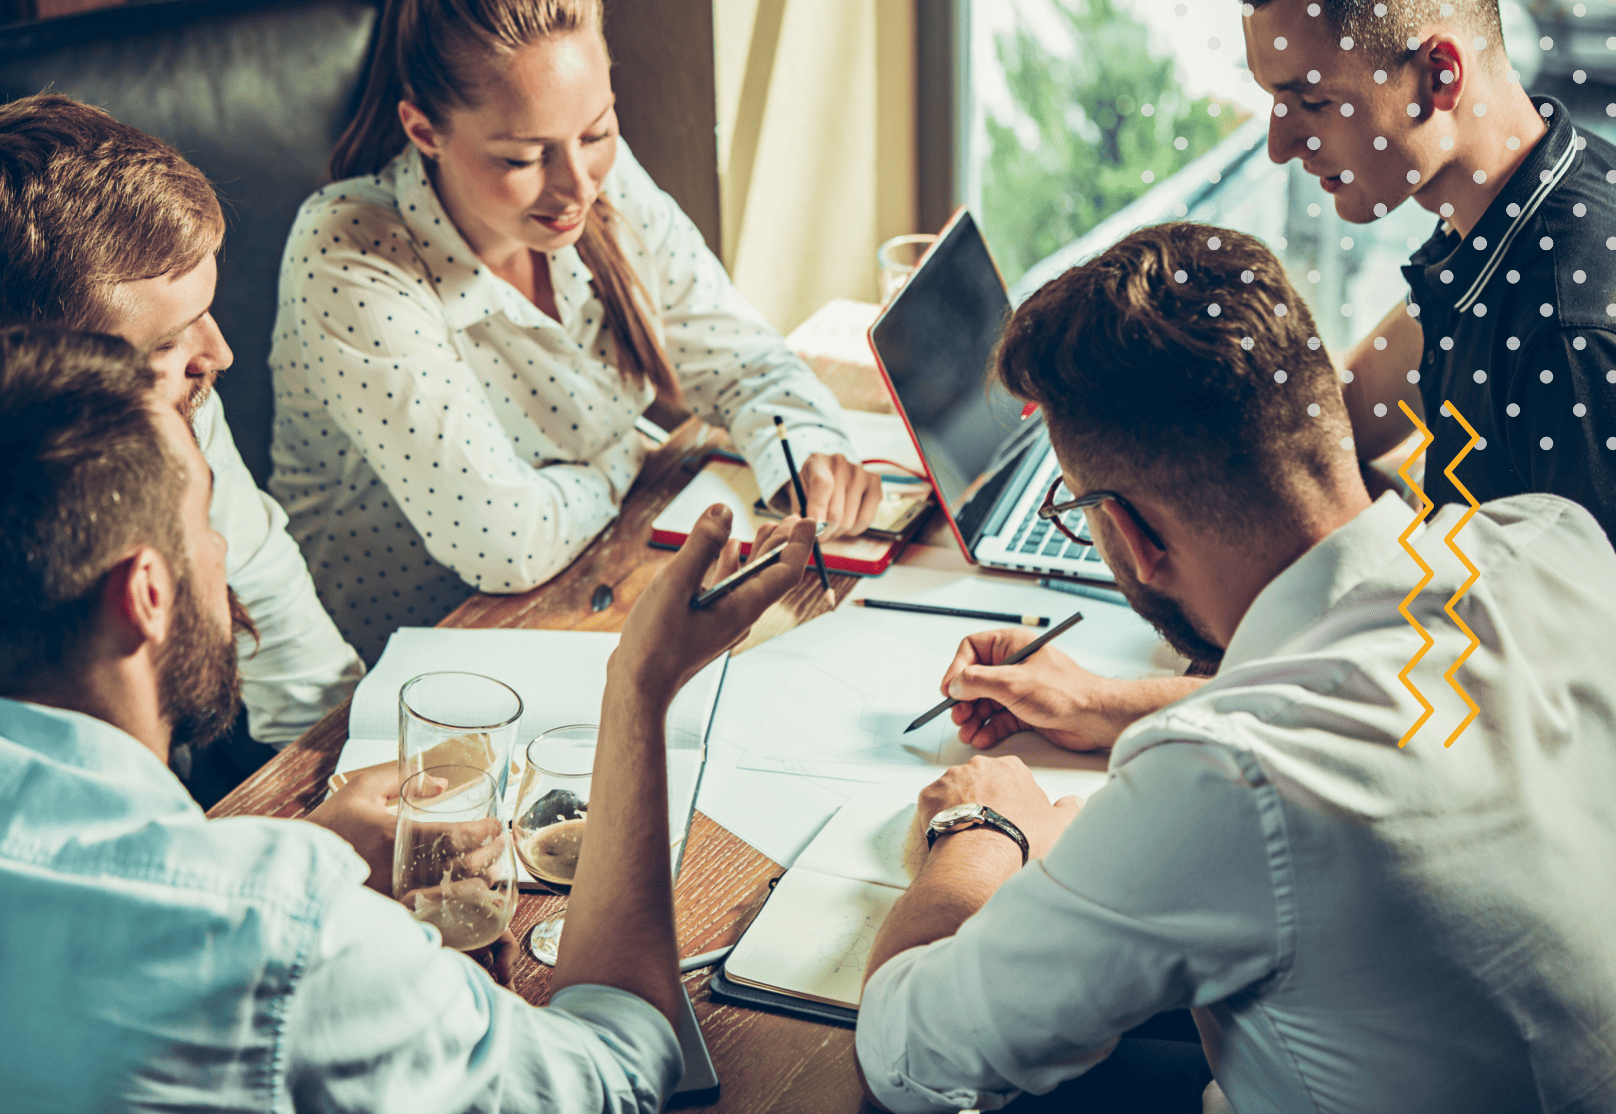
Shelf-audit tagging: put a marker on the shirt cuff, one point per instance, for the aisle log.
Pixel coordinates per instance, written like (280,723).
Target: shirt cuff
(881,1039)
(636,1032)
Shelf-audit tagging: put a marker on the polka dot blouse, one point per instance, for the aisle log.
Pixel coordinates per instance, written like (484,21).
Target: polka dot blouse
(436,433)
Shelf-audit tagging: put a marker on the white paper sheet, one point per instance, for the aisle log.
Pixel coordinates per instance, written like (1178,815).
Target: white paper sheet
(560,676)
(853,680)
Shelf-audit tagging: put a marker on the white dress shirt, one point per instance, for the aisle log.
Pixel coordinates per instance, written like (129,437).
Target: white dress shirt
(437,433)
(1360,927)
(300,668)
(154,960)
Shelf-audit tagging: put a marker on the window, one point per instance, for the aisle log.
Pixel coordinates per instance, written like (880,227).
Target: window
(1088,118)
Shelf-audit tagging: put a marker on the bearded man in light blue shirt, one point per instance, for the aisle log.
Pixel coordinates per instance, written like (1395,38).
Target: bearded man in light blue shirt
(156,960)
(1370,900)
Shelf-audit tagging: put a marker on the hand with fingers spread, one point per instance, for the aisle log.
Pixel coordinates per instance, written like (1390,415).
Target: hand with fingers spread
(665,641)
(842,494)
(358,813)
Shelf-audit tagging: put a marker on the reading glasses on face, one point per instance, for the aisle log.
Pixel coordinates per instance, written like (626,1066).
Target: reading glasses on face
(1055,512)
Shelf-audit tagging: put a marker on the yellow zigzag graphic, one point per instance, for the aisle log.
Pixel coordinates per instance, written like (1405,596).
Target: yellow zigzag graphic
(1425,508)
(1475,574)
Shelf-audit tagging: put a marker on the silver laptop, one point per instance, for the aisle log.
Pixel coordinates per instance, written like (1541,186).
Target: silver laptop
(990,468)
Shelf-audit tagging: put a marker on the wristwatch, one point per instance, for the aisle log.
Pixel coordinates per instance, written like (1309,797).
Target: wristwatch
(961,817)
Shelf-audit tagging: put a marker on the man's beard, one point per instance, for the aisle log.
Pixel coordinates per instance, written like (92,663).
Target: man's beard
(199,683)
(200,389)
(1162,612)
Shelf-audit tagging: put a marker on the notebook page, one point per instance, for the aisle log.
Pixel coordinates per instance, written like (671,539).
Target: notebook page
(813,938)
(872,838)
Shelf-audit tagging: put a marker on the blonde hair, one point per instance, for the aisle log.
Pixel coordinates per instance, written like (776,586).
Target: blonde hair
(431,53)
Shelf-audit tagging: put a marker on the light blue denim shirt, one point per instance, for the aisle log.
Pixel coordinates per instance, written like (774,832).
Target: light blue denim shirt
(151,959)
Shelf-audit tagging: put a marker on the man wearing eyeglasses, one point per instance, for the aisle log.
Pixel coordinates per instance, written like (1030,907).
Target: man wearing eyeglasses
(1372,898)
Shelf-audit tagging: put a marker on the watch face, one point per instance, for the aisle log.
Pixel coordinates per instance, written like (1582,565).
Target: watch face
(955,815)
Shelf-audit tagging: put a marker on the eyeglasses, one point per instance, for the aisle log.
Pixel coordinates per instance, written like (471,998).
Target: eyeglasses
(1055,512)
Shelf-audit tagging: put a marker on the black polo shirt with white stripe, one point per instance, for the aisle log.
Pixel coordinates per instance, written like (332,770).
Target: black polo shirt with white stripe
(1519,320)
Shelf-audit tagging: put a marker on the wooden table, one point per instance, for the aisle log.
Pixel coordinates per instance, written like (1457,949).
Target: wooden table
(765,1062)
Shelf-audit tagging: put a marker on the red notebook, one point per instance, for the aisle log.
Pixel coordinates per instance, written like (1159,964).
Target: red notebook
(726,479)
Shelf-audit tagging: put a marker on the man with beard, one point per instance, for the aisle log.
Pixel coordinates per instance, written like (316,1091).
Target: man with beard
(1369,905)
(105,228)
(155,960)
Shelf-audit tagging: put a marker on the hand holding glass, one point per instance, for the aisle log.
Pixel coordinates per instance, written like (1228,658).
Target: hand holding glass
(453,864)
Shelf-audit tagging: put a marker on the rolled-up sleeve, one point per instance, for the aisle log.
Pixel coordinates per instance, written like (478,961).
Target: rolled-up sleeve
(385,1018)
(1164,893)
(735,369)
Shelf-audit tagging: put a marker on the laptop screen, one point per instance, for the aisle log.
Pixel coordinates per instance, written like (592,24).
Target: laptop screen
(934,340)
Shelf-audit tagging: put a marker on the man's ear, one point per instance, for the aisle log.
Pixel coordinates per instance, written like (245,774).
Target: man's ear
(137,600)
(1446,72)
(1139,550)
(420,130)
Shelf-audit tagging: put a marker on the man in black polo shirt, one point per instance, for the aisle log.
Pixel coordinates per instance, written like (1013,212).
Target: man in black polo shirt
(1511,314)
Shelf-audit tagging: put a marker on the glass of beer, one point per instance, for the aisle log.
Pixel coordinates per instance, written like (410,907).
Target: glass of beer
(457,719)
(551,809)
(453,863)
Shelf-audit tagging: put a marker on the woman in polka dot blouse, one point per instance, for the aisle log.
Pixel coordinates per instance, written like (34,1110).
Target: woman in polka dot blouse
(474,314)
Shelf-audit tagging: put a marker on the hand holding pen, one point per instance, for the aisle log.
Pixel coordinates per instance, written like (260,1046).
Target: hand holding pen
(1047,692)
(802,501)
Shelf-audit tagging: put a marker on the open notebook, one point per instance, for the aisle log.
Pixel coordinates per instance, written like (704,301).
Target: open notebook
(905,497)
(811,942)
(560,676)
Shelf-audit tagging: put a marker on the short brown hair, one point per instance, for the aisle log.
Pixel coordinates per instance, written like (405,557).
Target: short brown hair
(87,203)
(85,475)
(1181,361)
(1383,39)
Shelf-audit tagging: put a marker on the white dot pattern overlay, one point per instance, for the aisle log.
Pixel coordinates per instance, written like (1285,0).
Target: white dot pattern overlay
(436,433)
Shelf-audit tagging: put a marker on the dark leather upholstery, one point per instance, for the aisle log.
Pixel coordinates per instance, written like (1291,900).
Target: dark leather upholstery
(254,92)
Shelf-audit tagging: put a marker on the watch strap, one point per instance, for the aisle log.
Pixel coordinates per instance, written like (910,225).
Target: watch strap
(990,819)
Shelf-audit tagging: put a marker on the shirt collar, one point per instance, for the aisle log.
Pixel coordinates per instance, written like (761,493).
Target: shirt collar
(1317,580)
(468,290)
(1472,262)
(108,763)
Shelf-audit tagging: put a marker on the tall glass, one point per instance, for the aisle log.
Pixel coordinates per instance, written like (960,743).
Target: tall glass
(897,259)
(551,808)
(457,719)
(453,864)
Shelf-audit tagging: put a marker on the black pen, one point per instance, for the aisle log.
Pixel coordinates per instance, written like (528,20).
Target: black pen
(802,504)
(1016,658)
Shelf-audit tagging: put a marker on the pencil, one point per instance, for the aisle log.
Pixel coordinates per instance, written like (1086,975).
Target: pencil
(802,504)
(1109,595)
(728,584)
(958,612)
(1016,658)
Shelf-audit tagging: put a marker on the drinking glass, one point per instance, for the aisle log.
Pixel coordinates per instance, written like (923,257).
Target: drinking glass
(453,864)
(551,807)
(457,719)
(897,259)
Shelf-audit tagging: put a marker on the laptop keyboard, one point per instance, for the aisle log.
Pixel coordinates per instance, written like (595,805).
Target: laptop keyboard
(1038,537)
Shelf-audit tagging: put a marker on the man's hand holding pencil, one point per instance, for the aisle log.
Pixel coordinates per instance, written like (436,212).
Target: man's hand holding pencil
(666,640)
